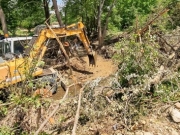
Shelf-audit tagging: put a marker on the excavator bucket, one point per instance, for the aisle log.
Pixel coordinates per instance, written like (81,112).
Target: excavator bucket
(92,58)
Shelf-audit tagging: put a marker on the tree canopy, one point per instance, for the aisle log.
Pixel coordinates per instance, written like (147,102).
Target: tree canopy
(123,14)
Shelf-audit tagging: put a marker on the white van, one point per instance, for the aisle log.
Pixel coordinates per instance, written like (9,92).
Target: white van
(13,45)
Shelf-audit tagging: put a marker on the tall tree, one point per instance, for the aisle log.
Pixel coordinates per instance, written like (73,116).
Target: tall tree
(46,10)
(101,4)
(3,22)
(107,21)
(57,12)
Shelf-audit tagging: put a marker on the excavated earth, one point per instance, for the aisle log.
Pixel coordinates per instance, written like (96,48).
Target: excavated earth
(83,73)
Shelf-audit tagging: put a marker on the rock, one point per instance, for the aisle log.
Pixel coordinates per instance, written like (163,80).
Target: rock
(173,132)
(177,105)
(147,133)
(115,126)
(109,93)
(143,133)
(175,114)
(143,122)
(138,133)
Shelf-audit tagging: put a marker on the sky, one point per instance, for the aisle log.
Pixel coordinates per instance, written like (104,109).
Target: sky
(59,2)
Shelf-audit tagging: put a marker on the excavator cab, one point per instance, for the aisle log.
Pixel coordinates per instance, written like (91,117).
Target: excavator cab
(13,47)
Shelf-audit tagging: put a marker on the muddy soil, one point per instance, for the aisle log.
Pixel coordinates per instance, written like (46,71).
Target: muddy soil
(83,73)
(103,68)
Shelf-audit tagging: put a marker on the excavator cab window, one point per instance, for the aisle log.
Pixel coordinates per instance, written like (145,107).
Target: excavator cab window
(4,48)
(18,47)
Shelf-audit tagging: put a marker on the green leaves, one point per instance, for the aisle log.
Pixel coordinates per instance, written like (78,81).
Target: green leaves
(135,60)
(22,13)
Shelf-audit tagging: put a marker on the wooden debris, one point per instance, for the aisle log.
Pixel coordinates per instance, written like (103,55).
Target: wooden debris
(53,112)
(77,113)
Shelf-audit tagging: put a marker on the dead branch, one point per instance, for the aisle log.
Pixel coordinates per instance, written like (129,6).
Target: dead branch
(159,35)
(144,29)
(62,47)
(53,112)
(158,77)
(5,104)
(109,101)
(77,112)
(59,65)
(74,84)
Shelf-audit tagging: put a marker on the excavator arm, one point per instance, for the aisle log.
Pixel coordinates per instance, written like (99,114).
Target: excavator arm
(74,29)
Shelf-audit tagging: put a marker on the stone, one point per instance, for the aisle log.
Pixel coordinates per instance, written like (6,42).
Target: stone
(143,133)
(175,114)
(143,122)
(177,105)
(173,132)
(138,133)
(147,133)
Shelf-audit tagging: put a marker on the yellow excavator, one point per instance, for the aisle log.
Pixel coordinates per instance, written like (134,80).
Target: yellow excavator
(18,69)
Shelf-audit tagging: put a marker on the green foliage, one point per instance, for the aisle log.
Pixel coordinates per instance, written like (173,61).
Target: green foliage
(3,110)
(10,13)
(122,16)
(129,9)
(168,90)
(18,14)
(115,21)
(174,12)
(25,101)
(135,60)
(31,16)
(6,131)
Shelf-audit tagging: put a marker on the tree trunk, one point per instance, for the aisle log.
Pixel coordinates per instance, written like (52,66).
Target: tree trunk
(3,22)
(46,11)
(101,3)
(107,20)
(65,14)
(57,13)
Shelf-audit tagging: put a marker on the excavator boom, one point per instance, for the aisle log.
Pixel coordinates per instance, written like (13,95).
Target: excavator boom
(74,29)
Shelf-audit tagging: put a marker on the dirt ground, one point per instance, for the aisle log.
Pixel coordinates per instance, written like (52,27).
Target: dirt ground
(103,68)
(84,73)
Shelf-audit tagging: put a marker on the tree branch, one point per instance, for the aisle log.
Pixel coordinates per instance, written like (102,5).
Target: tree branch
(77,113)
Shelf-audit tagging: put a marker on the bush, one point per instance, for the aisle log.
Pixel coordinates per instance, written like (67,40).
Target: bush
(136,60)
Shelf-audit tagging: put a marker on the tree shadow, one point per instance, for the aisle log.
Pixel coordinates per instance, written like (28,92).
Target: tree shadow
(81,71)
